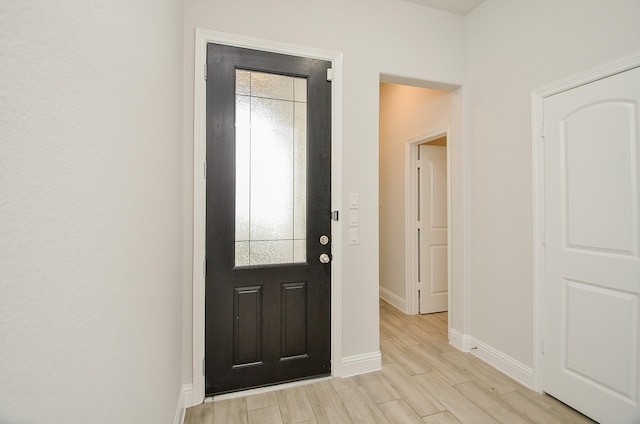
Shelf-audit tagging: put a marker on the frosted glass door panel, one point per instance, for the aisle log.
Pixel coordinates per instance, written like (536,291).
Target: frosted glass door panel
(271,158)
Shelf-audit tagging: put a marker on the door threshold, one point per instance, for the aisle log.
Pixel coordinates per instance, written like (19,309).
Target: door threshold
(266,389)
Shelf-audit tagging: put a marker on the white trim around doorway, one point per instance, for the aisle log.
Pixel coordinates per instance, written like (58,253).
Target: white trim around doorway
(202,37)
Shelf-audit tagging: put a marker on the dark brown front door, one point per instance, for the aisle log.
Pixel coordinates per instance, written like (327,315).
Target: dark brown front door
(268,297)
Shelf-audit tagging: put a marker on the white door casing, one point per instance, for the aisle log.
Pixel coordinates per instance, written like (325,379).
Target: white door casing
(432,228)
(591,285)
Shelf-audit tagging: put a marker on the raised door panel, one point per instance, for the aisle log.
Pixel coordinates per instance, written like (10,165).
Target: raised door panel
(294,320)
(591,341)
(600,177)
(247,326)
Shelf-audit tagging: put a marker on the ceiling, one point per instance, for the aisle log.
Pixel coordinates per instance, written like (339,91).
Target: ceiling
(459,7)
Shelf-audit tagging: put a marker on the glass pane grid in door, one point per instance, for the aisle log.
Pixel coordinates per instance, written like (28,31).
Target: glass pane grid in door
(271,169)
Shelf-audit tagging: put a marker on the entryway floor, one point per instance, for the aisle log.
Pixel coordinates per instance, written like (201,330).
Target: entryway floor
(423,380)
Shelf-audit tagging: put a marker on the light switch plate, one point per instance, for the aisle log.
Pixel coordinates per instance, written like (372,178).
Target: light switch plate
(353,236)
(354,218)
(354,201)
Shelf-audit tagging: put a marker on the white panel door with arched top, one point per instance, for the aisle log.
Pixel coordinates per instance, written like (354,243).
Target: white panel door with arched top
(592,271)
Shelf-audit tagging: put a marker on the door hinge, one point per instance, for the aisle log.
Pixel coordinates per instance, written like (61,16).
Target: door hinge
(205,170)
(206,71)
(330,74)
(543,130)
(204,268)
(419,285)
(203,366)
(419,164)
(543,237)
(335,215)
(542,346)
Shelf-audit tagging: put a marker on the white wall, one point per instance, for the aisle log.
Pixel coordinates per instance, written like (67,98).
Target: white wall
(514,47)
(405,113)
(90,211)
(376,36)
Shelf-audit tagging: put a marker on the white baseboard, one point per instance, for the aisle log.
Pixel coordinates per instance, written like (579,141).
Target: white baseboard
(459,340)
(393,299)
(514,369)
(360,364)
(178,418)
(187,389)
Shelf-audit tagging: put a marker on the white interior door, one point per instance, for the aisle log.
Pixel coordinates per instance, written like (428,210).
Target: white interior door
(432,228)
(592,275)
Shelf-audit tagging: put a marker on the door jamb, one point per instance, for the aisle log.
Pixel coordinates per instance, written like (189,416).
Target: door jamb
(411,207)
(537,136)
(202,37)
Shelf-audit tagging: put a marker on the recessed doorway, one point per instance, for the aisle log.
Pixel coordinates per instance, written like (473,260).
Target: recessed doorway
(409,116)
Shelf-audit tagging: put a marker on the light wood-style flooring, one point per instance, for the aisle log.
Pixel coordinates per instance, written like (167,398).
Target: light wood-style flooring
(423,380)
